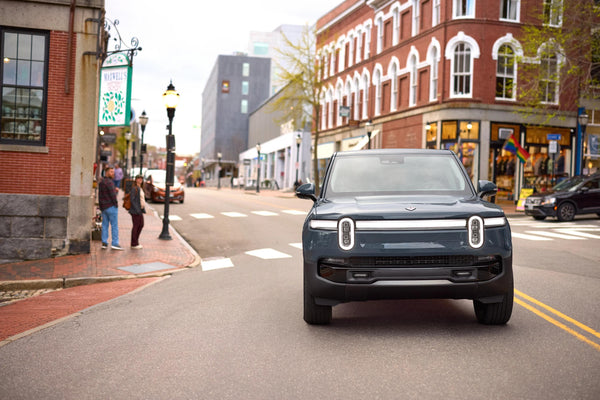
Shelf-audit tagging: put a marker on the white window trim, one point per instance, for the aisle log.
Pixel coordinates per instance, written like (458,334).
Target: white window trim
(556,4)
(435,13)
(415,19)
(449,54)
(377,80)
(379,24)
(470,13)
(518,15)
(434,63)
(509,40)
(365,100)
(393,69)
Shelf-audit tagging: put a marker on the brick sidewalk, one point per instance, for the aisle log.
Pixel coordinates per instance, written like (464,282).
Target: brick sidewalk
(100,264)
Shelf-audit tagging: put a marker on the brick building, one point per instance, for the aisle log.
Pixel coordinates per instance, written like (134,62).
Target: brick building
(48,118)
(439,74)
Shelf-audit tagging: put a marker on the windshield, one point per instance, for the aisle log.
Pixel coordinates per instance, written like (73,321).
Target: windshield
(568,184)
(397,174)
(158,176)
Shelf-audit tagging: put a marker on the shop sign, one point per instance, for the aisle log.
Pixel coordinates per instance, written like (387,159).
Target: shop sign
(115,91)
(344,111)
(553,146)
(594,144)
(553,136)
(525,193)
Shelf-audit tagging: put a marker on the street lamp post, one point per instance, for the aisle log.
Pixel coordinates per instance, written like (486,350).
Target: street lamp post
(170,98)
(143,121)
(298,141)
(219,156)
(368,125)
(258,171)
(127,140)
(583,120)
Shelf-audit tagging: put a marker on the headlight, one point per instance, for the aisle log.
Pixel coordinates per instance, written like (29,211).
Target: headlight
(475,227)
(346,233)
(548,201)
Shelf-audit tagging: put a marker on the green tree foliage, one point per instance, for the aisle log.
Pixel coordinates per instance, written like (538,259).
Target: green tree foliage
(299,100)
(561,55)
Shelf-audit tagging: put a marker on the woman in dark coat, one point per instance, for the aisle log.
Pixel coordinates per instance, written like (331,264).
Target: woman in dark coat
(137,211)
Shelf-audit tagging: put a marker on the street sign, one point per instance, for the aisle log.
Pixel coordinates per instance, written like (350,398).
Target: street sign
(553,136)
(553,146)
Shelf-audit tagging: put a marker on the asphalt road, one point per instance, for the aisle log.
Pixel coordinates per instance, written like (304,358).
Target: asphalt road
(233,329)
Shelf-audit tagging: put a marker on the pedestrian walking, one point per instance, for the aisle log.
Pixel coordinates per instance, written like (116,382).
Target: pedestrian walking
(137,211)
(107,200)
(118,176)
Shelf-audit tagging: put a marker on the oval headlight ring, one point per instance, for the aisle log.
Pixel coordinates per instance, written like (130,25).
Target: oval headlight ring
(475,227)
(346,233)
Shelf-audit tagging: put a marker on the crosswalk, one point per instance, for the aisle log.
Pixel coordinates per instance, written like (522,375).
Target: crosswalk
(525,229)
(215,263)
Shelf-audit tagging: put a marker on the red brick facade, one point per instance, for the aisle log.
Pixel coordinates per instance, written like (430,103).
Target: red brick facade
(47,173)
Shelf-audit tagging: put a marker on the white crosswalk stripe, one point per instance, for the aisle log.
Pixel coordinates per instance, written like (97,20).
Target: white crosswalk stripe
(555,235)
(201,216)
(268,254)
(578,233)
(296,245)
(294,212)
(172,217)
(528,237)
(216,263)
(234,214)
(265,213)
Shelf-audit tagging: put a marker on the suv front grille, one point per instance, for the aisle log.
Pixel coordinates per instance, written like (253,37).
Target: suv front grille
(441,260)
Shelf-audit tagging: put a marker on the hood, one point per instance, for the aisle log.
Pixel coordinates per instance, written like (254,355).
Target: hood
(406,207)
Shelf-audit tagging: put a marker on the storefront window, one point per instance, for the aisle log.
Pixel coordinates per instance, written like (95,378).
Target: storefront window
(431,135)
(549,162)
(462,137)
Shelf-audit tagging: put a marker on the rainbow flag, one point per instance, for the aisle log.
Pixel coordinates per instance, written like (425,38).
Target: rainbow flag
(514,147)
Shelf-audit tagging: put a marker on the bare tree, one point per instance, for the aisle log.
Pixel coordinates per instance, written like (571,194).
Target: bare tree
(299,99)
(561,61)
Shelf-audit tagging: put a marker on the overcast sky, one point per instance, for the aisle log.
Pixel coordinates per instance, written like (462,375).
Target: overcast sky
(181,40)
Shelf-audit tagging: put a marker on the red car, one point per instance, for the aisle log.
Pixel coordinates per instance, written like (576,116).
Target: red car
(154,187)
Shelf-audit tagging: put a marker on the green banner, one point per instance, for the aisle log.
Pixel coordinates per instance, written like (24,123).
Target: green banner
(115,91)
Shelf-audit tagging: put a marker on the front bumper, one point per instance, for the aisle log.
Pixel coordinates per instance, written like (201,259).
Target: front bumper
(415,264)
(540,211)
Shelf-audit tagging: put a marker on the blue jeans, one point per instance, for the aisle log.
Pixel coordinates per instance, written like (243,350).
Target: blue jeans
(110,216)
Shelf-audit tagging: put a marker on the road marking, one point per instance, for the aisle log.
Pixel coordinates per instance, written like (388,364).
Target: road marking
(216,263)
(267,254)
(234,214)
(578,233)
(202,216)
(555,235)
(265,213)
(294,212)
(296,245)
(528,237)
(554,321)
(172,217)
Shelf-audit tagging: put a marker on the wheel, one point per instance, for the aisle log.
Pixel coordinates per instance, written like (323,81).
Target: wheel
(315,314)
(539,217)
(495,313)
(566,212)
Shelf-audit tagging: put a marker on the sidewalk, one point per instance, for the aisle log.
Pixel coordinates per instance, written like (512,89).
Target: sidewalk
(157,258)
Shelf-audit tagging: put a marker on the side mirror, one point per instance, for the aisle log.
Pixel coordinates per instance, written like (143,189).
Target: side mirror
(486,188)
(306,191)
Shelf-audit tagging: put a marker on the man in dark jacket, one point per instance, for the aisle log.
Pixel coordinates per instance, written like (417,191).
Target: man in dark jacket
(107,200)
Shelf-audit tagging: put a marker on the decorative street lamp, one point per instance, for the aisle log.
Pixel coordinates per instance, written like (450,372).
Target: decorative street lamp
(171,99)
(143,121)
(258,171)
(219,156)
(127,140)
(298,141)
(368,125)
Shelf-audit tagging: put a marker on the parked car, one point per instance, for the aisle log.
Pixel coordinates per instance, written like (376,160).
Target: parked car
(401,224)
(579,194)
(154,187)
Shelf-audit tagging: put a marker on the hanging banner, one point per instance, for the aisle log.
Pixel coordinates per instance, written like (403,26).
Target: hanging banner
(115,91)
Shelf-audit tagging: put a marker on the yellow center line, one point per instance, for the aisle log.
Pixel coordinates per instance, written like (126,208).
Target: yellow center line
(558,313)
(555,322)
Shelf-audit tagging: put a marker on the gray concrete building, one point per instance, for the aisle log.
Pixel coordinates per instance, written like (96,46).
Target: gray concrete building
(237,85)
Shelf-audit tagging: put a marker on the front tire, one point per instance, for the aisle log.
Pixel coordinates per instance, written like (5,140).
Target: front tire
(566,212)
(315,314)
(495,313)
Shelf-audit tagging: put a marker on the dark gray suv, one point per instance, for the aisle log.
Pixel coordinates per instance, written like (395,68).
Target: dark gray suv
(398,224)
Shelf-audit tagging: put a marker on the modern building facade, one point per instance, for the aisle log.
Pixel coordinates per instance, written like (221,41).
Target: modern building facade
(237,85)
(442,74)
(48,122)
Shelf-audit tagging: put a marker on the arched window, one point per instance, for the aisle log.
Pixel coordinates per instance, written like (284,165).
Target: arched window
(433,75)
(365,99)
(379,24)
(357,102)
(377,83)
(412,67)
(461,71)
(505,73)
(394,95)
(549,77)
